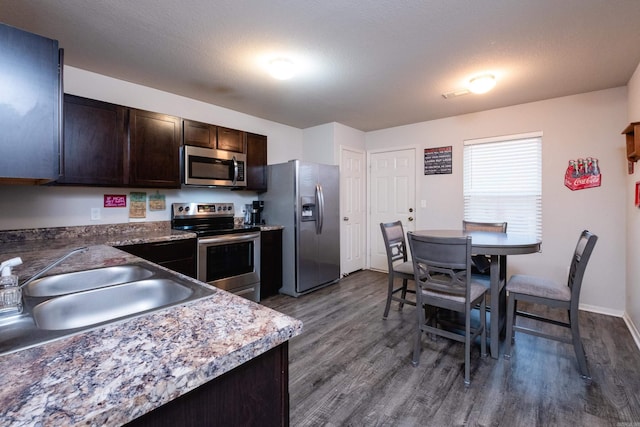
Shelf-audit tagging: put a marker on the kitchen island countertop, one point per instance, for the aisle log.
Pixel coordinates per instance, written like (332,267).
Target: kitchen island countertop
(115,373)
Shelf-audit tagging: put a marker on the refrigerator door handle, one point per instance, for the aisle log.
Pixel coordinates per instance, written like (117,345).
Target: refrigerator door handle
(320,199)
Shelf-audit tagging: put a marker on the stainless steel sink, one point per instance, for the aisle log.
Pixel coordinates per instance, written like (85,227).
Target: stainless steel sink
(100,305)
(93,298)
(67,283)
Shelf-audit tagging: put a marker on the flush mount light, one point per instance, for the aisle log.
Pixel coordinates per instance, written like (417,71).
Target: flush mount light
(482,84)
(281,68)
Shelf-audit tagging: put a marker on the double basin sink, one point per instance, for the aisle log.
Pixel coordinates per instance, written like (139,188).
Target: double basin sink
(65,304)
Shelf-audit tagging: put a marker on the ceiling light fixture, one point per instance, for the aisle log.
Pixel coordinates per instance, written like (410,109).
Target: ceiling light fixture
(482,84)
(281,68)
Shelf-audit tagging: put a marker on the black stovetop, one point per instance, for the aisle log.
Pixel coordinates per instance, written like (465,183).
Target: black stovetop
(207,219)
(208,229)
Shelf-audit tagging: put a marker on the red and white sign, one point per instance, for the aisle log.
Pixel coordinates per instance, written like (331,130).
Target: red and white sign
(582,173)
(115,200)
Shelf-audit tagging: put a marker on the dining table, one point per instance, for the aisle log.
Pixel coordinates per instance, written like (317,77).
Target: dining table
(497,246)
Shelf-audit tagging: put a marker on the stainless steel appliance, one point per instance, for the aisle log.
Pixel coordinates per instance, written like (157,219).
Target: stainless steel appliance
(228,255)
(206,167)
(304,198)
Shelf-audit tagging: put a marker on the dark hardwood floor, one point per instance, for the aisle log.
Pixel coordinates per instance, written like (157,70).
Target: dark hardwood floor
(352,368)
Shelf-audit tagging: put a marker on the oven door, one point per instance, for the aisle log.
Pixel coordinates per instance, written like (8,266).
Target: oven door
(231,262)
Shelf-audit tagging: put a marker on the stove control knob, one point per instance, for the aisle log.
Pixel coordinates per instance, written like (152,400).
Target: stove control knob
(187,209)
(180,209)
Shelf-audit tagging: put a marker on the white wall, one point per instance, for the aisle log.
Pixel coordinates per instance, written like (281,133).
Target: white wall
(633,221)
(575,126)
(32,207)
(322,143)
(318,144)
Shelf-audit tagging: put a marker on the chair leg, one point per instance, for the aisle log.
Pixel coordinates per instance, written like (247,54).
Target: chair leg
(389,293)
(577,345)
(483,325)
(417,345)
(467,346)
(404,292)
(511,311)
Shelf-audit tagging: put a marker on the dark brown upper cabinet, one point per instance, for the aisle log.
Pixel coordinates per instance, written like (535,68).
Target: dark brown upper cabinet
(94,142)
(256,162)
(154,149)
(199,134)
(231,140)
(211,136)
(29,107)
(110,145)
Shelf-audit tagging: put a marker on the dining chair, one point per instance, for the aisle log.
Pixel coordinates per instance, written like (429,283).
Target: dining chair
(442,268)
(482,263)
(539,290)
(398,265)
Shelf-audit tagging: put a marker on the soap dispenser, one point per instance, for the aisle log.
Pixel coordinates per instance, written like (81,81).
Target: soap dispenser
(10,292)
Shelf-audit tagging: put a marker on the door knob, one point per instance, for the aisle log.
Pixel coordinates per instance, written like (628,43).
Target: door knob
(346,218)
(410,218)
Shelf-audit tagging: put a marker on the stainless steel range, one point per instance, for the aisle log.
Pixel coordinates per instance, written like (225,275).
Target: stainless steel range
(228,255)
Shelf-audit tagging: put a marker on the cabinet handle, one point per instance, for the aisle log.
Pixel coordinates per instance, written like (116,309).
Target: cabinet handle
(346,218)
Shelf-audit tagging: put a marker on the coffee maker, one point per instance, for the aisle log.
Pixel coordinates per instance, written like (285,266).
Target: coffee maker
(256,212)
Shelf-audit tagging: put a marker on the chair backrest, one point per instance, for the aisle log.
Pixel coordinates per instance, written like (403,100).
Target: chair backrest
(581,256)
(442,264)
(500,227)
(394,242)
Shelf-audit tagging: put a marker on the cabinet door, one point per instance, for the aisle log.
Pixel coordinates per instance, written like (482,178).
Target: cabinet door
(177,255)
(199,134)
(29,106)
(270,263)
(93,142)
(256,162)
(154,150)
(230,140)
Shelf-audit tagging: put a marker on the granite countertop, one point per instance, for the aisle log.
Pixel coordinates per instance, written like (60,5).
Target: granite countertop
(270,227)
(114,373)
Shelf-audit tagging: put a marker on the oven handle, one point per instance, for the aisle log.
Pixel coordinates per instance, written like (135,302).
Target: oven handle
(228,238)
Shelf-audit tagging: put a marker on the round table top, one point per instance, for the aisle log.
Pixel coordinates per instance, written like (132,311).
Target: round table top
(489,242)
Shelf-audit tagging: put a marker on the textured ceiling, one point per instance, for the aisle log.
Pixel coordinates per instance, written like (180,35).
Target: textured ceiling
(367,64)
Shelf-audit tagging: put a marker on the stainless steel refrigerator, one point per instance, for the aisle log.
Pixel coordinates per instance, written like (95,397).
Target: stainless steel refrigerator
(304,197)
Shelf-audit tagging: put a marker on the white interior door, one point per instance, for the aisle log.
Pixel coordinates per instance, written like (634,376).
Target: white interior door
(392,197)
(352,207)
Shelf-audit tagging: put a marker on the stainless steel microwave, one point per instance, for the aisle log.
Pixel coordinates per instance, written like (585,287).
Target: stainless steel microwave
(206,167)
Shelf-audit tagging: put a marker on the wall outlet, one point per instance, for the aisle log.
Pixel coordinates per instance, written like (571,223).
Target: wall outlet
(95,214)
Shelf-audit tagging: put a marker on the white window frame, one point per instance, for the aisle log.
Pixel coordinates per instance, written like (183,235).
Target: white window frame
(503,182)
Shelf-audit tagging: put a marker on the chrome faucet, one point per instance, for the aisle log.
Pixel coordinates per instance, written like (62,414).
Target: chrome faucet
(50,266)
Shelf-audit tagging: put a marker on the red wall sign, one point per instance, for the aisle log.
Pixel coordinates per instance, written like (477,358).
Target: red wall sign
(582,173)
(115,200)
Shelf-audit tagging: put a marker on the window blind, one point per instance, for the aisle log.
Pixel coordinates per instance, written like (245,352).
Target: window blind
(503,182)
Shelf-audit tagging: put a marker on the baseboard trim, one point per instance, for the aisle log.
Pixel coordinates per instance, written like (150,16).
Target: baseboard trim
(632,328)
(617,313)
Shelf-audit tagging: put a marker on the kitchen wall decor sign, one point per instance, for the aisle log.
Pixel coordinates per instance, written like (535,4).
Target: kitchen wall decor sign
(115,201)
(582,173)
(438,160)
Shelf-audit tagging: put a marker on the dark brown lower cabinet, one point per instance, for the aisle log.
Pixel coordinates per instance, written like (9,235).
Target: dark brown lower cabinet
(176,255)
(255,393)
(270,263)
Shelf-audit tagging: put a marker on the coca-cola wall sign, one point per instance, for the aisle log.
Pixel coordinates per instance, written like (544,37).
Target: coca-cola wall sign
(582,173)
